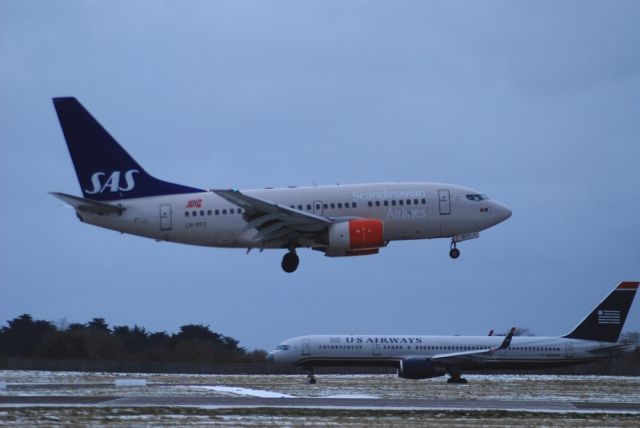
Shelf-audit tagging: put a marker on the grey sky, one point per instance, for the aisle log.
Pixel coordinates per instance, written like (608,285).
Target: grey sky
(535,103)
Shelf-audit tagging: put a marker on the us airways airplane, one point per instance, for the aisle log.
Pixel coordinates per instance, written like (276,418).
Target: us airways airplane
(341,220)
(421,357)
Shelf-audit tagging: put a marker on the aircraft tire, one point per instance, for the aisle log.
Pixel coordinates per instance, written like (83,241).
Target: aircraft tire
(454,253)
(290,262)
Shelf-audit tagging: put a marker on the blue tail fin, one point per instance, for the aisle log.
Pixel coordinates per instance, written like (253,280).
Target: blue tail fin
(105,170)
(605,322)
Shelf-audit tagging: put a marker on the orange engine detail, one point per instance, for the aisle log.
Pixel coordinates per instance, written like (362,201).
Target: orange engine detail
(358,235)
(365,234)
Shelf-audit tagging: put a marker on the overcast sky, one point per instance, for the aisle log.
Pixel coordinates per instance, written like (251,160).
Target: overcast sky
(536,104)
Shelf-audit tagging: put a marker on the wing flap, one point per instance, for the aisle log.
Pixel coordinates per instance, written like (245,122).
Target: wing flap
(476,356)
(88,205)
(291,215)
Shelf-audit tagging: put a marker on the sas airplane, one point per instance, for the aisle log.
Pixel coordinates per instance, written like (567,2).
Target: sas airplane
(421,357)
(341,220)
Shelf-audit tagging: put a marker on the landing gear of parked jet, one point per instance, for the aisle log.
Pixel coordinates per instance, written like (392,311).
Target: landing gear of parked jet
(312,379)
(454,372)
(454,253)
(290,261)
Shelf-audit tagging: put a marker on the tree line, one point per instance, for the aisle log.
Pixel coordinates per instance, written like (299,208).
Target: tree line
(96,340)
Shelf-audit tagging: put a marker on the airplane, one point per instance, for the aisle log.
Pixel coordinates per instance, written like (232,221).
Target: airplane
(422,357)
(340,220)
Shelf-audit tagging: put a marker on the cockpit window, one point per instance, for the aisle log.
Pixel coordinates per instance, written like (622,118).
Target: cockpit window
(476,197)
(282,347)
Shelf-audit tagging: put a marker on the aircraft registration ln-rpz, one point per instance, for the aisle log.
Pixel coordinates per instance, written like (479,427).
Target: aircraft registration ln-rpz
(422,357)
(340,220)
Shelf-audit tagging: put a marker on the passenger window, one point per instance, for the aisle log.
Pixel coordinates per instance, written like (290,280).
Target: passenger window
(317,206)
(194,213)
(354,205)
(377,203)
(209,212)
(326,206)
(415,202)
(370,203)
(224,212)
(393,202)
(386,203)
(408,201)
(202,213)
(333,206)
(339,204)
(239,210)
(424,201)
(186,213)
(217,212)
(231,211)
(401,202)
(300,207)
(308,207)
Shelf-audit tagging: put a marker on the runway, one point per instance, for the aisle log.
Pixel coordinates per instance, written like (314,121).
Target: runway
(319,403)
(58,399)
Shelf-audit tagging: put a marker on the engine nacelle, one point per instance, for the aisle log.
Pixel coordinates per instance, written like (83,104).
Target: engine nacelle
(355,236)
(418,368)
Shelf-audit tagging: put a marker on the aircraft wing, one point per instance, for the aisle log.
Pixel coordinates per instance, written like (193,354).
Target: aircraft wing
(274,221)
(88,205)
(474,357)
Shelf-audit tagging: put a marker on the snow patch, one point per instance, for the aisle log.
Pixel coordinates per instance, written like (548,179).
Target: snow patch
(244,391)
(352,396)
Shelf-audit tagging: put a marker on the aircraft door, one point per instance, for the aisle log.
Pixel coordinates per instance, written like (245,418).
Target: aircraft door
(306,347)
(165,217)
(376,350)
(445,202)
(569,352)
(318,207)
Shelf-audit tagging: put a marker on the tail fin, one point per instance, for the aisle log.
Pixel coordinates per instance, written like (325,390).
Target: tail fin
(105,170)
(605,322)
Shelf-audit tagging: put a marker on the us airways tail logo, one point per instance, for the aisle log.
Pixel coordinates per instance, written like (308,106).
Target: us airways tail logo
(112,184)
(608,317)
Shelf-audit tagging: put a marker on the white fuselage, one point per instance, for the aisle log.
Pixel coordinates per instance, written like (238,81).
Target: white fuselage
(408,210)
(389,350)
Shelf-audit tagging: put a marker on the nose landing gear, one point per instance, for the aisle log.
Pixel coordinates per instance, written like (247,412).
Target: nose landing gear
(454,253)
(290,262)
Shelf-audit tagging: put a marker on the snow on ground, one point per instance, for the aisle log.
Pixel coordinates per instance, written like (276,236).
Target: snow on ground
(244,391)
(500,387)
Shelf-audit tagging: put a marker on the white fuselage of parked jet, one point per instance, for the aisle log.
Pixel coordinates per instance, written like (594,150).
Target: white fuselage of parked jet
(523,352)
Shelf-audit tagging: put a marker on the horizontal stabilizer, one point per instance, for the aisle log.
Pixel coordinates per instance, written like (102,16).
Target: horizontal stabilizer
(88,205)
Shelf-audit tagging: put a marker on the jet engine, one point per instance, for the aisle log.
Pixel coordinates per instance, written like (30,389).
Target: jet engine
(418,368)
(355,238)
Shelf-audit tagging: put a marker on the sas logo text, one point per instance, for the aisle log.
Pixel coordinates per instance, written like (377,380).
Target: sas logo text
(112,183)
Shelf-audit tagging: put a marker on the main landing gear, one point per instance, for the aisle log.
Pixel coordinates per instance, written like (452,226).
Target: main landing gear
(312,379)
(454,253)
(454,372)
(290,261)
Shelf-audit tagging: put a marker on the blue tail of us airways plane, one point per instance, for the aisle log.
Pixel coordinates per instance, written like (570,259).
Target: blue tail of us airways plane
(106,172)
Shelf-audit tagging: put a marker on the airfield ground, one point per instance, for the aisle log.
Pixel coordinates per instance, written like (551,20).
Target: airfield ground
(62,398)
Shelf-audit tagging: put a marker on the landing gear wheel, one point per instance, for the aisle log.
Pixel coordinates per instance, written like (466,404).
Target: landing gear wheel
(454,253)
(458,380)
(290,262)
(312,379)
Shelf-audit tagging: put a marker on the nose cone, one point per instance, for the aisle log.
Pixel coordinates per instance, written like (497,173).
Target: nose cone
(500,212)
